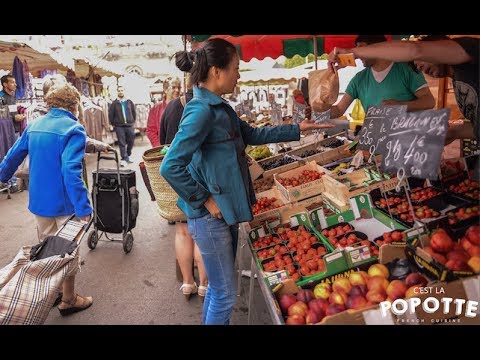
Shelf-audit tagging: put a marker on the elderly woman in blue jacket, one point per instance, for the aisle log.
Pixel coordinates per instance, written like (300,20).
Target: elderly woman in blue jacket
(206,166)
(55,143)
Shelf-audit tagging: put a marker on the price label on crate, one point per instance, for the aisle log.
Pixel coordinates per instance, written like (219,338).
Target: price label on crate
(321,117)
(415,143)
(373,134)
(277,278)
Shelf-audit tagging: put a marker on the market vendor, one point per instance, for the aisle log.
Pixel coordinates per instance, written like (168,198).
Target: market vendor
(437,56)
(385,82)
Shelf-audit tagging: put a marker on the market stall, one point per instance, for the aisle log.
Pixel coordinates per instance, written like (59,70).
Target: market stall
(348,235)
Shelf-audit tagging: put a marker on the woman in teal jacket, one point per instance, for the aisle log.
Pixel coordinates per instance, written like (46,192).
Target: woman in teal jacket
(206,166)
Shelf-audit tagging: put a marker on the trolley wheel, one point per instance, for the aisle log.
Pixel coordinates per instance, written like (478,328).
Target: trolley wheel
(127,243)
(92,239)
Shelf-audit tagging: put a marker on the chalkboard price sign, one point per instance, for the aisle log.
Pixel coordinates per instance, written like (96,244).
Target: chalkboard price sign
(374,131)
(321,117)
(298,112)
(414,143)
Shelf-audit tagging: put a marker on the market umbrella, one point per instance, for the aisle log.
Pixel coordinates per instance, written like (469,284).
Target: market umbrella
(274,46)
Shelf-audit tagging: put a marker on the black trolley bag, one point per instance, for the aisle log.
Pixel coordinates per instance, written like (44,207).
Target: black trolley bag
(115,203)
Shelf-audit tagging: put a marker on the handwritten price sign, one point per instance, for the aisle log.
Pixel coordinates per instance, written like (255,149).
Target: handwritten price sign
(414,143)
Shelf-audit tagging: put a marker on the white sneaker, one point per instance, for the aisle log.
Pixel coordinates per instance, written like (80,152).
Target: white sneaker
(123,163)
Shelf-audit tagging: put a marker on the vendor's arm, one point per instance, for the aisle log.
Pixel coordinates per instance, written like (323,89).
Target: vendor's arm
(424,101)
(14,158)
(437,52)
(72,172)
(191,135)
(339,109)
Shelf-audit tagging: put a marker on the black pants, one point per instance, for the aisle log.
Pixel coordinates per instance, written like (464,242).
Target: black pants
(126,138)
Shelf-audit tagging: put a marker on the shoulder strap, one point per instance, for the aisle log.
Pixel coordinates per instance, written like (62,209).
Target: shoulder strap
(183,100)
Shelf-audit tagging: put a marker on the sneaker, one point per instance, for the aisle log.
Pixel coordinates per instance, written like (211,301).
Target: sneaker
(129,161)
(123,163)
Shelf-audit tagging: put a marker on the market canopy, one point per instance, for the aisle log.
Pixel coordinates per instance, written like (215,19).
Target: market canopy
(100,67)
(37,58)
(274,46)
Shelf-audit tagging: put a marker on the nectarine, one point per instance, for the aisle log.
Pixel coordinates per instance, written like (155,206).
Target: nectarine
(342,284)
(378,270)
(396,290)
(322,291)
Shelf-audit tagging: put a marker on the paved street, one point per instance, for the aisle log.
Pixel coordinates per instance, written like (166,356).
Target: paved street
(138,288)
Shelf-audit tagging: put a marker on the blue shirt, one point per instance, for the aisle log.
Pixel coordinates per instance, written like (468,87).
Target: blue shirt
(205,157)
(55,143)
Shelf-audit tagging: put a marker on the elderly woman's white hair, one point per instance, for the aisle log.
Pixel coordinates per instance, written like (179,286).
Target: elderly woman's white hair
(51,80)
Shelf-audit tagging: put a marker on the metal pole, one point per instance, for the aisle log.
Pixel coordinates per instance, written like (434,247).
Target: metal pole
(315,50)
(184,38)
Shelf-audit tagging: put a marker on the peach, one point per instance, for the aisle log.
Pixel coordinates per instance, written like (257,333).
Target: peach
(313,317)
(465,244)
(396,290)
(299,308)
(356,278)
(474,264)
(334,309)
(378,283)
(358,290)
(378,270)
(338,297)
(319,306)
(356,302)
(413,291)
(415,278)
(322,291)
(295,320)
(342,284)
(439,258)
(376,296)
(474,250)
(459,255)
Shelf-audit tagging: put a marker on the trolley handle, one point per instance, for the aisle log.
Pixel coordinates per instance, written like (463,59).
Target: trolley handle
(100,156)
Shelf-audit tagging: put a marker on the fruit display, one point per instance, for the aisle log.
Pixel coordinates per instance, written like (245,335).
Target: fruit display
(333,143)
(266,241)
(390,237)
(261,185)
(424,194)
(456,256)
(463,213)
(260,152)
(468,188)
(300,239)
(265,204)
(310,153)
(359,290)
(269,165)
(303,178)
(336,230)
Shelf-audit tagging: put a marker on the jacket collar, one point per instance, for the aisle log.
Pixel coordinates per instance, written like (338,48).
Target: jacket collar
(210,97)
(56,112)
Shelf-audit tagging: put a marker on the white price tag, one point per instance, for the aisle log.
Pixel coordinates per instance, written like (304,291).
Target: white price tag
(12,108)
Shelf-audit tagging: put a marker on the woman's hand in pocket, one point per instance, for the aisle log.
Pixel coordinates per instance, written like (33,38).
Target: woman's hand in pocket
(212,207)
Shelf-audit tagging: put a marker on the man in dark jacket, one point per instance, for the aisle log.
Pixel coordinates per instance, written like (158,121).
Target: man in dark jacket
(122,116)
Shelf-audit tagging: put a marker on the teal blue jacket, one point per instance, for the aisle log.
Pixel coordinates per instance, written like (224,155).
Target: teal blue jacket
(203,159)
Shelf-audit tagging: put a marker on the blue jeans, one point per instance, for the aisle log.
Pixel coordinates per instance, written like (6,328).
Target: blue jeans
(217,242)
(13,179)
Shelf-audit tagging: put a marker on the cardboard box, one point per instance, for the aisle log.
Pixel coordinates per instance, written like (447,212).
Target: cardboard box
(303,191)
(271,213)
(255,169)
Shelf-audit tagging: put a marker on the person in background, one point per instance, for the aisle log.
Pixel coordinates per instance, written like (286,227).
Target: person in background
(438,56)
(55,143)
(91,145)
(185,248)
(7,97)
(385,82)
(122,116)
(207,167)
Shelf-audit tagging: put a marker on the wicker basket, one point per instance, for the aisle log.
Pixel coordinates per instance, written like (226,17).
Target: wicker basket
(164,194)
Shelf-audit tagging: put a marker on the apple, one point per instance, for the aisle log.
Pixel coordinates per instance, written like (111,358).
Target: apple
(474,251)
(396,290)
(299,308)
(342,284)
(460,255)
(415,278)
(305,295)
(378,270)
(295,320)
(285,301)
(322,291)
